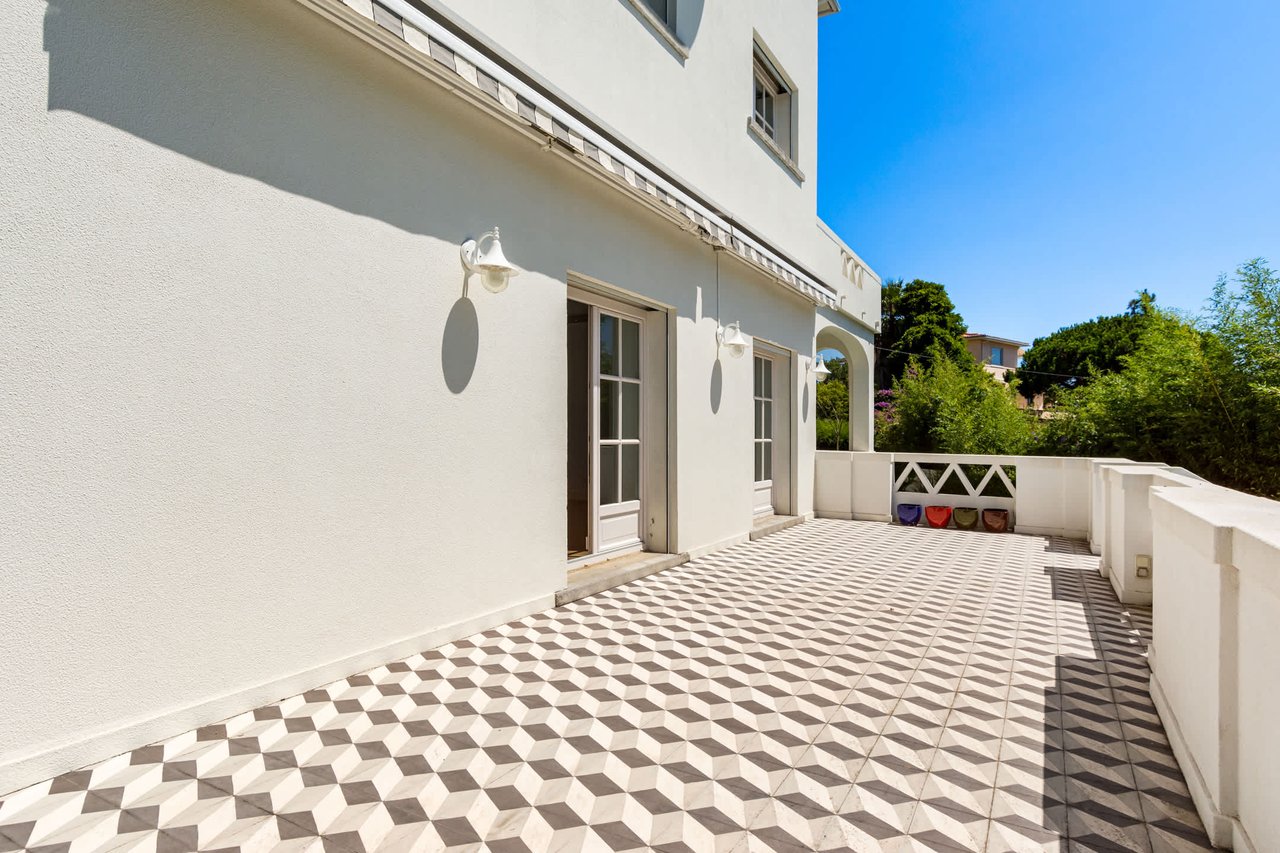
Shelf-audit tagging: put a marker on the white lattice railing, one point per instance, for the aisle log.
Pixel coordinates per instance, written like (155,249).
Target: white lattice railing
(1043,494)
(929,481)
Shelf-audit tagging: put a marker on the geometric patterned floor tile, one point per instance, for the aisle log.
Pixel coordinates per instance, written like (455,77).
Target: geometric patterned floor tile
(836,686)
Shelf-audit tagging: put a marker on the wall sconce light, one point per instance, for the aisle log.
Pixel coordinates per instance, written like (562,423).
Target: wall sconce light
(490,263)
(820,370)
(731,338)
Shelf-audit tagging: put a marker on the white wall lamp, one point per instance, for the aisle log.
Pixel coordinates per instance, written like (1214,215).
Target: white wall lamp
(731,338)
(489,263)
(820,370)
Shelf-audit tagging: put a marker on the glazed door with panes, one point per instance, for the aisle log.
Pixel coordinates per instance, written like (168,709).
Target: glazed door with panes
(764,435)
(616,429)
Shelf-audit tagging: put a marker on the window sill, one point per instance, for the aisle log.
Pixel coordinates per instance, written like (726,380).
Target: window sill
(772,147)
(660,27)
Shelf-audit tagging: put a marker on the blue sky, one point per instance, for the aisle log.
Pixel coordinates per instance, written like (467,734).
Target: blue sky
(1044,160)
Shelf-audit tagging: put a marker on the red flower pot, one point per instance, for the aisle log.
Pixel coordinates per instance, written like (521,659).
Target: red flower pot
(938,516)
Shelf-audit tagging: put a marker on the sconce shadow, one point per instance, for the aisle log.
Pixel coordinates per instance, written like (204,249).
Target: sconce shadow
(460,345)
(717,386)
(804,404)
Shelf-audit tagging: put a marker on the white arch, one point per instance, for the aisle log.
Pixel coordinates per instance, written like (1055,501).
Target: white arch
(859,354)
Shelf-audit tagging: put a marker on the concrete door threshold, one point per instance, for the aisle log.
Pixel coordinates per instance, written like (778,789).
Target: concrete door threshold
(589,580)
(766,524)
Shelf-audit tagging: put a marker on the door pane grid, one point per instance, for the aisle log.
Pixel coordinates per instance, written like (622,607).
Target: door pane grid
(620,410)
(763,395)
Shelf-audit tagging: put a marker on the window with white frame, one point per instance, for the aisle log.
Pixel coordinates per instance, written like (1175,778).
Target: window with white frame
(771,104)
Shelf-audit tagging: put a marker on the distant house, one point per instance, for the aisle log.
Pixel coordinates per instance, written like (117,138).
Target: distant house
(998,356)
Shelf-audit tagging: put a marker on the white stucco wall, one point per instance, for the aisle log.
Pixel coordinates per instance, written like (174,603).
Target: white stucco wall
(690,115)
(1215,641)
(1256,553)
(254,438)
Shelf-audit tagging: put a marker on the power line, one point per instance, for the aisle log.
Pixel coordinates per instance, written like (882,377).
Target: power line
(1018,369)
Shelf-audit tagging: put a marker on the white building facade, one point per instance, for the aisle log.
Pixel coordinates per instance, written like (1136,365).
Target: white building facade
(261,427)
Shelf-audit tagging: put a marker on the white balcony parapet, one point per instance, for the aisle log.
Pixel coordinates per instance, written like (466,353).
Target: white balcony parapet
(1045,495)
(1205,558)
(1216,654)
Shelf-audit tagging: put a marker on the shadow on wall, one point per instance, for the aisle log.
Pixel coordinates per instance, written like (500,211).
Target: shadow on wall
(460,345)
(717,386)
(1107,765)
(275,93)
(165,72)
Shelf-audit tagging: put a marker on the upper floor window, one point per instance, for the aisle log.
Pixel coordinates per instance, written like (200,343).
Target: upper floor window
(661,16)
(773,109)
(664,11)
(769,89)
(997,356)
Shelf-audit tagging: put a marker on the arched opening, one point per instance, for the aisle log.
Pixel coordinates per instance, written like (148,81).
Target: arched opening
(857,357)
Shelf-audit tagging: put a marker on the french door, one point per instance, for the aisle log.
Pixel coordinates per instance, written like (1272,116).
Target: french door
(617,419)
(763,447)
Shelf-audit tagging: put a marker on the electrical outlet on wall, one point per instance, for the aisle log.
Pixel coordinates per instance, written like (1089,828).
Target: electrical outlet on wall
(1144,565)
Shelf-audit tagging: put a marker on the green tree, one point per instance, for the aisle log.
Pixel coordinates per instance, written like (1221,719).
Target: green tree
(916,318)
(1202,394)
(1245,314)
(833,407)
(943,405)
(1144,303)
(1164,405)
(1073,355)
(833,399)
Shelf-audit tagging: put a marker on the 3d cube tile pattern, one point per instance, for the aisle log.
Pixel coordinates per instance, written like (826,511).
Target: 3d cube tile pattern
(835,686)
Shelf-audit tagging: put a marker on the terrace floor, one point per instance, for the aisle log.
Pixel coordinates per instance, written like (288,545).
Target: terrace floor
(838,685)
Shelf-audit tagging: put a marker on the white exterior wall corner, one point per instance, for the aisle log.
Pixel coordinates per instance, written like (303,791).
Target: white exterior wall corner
(252,423)
(857,286)
(1127,533)
(1256,553)
(1216,635)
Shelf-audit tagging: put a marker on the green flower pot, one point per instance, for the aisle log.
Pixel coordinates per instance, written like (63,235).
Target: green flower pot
(965,517)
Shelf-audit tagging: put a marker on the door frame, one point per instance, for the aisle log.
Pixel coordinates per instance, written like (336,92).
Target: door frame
(614,309)
(657,388)
(787,383)
(768,362)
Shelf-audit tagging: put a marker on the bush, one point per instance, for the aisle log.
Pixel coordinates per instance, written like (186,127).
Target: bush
(950,407)
(1203,395)
(833,399)
(833,434)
